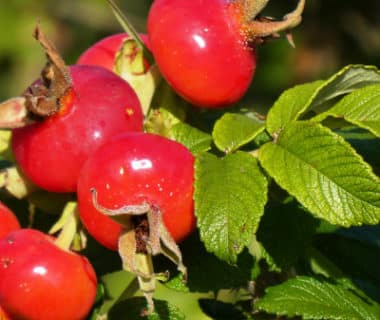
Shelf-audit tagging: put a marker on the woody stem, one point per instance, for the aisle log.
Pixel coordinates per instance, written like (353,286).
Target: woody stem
(250,8)
(258,29)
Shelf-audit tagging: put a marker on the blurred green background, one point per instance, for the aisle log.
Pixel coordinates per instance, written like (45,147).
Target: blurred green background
(334,33)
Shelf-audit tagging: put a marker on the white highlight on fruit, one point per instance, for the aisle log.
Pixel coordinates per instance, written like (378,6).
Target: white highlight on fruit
(41,270)
(200,41)
(141,164)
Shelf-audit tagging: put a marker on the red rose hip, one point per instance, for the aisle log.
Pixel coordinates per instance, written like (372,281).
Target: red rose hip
(99,105)
(137,168)
(40,281)
(8,221)
(104,52)
(206,49)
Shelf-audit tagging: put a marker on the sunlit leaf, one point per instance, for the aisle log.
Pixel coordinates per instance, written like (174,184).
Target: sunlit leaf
(324,173)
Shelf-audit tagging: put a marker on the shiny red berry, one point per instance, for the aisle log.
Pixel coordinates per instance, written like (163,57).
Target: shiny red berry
(104,52)
(100,104)
(40,281)
(133,169)
(200,50)
(8,221)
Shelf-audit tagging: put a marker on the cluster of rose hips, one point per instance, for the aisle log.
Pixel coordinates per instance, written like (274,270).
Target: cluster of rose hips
(80,129)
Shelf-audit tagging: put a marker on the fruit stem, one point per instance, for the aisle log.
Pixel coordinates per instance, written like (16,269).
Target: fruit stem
(259,29)
(147,284)
(250,8)
(128,28)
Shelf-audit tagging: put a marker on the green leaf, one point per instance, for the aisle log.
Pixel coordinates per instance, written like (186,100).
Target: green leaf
(295,102)
(361,107)
(115,284)
(324,173)
(348,79)
(322,265)
(285,233)
(230,194)
(131,309)
(195,140)
(233,130)
(365,143)
(313,299)
(355,258)
(290,105)
(208,273)
(221,310)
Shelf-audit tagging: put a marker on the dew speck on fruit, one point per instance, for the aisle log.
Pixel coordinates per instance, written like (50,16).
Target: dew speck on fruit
(6,262)
(25,287)
(129,111)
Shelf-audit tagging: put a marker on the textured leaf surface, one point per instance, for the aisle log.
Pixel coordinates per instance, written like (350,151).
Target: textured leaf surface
(348,79)
(324,173)
(365,143)
(230,194)
(313,299)
(232,131)
(195,140)
(290,105)
(361,107)
(293,103)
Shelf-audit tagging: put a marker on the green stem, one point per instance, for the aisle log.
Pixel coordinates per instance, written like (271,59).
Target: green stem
(147,284)
(128,28)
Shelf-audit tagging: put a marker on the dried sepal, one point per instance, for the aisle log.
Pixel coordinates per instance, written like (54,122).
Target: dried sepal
(131,65)
(43,98)
(156,239)
(14,113)
(15,182)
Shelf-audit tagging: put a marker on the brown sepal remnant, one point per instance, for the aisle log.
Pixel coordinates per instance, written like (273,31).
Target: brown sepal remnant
(144,235)
(141,226)
(43,97)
